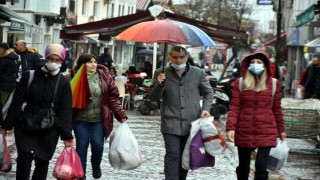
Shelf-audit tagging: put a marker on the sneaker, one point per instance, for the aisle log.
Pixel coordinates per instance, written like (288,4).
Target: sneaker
(96,172)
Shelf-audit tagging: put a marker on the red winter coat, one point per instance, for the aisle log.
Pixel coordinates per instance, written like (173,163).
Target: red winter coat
(256,119)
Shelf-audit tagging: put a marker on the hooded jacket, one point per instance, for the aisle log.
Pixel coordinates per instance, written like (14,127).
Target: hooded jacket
(255,117)
(8,70)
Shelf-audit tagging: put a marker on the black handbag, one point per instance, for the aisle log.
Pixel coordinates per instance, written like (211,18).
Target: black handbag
(41,120)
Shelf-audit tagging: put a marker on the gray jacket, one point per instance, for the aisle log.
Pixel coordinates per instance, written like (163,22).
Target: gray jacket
(180,97)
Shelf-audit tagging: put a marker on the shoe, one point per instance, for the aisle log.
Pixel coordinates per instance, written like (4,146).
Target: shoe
(96,172)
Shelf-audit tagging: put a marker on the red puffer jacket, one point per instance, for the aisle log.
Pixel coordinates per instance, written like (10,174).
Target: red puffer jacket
(255,117)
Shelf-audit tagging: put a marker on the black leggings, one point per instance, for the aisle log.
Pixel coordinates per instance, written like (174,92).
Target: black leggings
(244,155)
(24,162)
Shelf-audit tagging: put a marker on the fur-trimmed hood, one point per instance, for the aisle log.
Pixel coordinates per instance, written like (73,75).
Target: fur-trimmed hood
(10,53)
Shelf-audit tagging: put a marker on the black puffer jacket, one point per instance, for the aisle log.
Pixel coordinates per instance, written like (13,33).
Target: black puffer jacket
(8,71)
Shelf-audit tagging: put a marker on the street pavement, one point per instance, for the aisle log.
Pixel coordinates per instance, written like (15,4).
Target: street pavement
(147,132)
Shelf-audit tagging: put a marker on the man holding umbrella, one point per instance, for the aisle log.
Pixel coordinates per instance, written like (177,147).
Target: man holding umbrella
(179,86)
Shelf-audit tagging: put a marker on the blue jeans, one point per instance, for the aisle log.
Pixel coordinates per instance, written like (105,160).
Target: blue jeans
(93,133)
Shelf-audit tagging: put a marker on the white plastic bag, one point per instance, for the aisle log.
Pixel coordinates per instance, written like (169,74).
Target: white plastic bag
(195,127)
(278,155)
(1,148)
(212,141)
(124,151)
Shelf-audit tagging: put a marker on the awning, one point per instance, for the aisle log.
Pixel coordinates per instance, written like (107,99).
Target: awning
(312,46)
(8,15)
(114,26)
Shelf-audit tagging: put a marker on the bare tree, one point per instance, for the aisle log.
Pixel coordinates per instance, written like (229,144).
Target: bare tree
(228,13)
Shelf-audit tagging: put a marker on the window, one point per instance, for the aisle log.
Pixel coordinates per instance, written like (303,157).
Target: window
(84,7)
(112,10)
(96,8)
(72,6)
(128,9)
(122,10)
(119,11)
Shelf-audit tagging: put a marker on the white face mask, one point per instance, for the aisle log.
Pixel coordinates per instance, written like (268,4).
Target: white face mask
(51,66)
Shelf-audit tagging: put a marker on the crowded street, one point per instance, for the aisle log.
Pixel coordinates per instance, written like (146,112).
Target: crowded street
(302,164)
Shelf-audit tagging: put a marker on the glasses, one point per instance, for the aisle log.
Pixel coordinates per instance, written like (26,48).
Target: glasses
(176,57)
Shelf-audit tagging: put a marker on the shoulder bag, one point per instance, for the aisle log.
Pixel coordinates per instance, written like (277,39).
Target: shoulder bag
(41,120)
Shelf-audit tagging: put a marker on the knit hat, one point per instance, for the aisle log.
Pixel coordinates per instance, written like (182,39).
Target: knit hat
(56,49)
(4,45)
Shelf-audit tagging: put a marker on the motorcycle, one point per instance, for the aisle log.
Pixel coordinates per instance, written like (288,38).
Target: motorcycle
(142,101)
(222,95)
(146,106)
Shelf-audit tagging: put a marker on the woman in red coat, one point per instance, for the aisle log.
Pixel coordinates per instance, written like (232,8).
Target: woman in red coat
(255,118)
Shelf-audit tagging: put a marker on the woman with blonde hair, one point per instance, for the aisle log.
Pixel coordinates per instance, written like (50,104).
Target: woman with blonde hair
(255,117)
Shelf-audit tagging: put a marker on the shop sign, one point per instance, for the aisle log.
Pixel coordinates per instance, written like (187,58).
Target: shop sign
(16,26)
(306,16)
(264,2)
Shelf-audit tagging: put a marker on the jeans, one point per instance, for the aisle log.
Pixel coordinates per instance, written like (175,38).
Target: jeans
(93,133)
(173,159)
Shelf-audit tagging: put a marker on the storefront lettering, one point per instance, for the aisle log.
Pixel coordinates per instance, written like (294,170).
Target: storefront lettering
(17,26)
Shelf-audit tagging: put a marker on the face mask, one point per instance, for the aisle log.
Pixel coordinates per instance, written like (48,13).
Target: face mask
(51,66)
(257,69)
(178,67)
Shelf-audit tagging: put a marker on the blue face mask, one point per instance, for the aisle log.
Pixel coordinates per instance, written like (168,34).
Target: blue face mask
(256,69)
(178,67)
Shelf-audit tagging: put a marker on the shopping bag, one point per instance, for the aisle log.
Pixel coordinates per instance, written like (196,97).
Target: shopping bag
(198,155)
(278,156)
(1,148)
(6,162)
(124,153)
(195,127)
(68,165)
(213,140)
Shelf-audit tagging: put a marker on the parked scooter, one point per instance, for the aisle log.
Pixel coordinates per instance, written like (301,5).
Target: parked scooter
(142,101)
(222,95)
(146,106)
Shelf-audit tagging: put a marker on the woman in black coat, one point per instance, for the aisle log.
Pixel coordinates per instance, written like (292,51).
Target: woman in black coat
(41,145)
(8,73)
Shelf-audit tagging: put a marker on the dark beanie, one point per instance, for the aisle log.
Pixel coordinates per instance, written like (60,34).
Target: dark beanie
(4,46)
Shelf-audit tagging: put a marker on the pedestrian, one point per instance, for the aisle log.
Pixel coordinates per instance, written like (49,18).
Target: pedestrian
(112,72)
(94,123)
(30,59)
(8,73)
(310,80)
(179,87)
(105,58)
(237,68)
(147,68)
(255,118)
(41,145)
